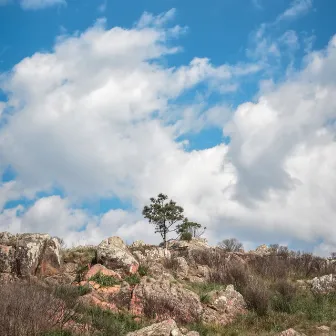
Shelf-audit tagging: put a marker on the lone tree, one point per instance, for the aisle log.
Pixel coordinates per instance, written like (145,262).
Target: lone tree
(164,215)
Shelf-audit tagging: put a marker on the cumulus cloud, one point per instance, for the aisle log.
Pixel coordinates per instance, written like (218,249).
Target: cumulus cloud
(100,116)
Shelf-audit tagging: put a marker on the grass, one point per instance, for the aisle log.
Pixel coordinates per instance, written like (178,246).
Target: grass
(304,312)
(133,279)
(143,270)
(109,323)
(203,288)
(104,280)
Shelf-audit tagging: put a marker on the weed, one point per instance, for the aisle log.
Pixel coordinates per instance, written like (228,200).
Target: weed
(104,280)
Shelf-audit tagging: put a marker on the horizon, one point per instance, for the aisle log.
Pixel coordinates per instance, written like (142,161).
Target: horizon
(227,107)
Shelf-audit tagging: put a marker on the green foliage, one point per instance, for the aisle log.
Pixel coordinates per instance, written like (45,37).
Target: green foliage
(187,236)
(189,229)
(143,270)
(80,272)
(70,294)
(133,279)
(109,323)
(163,214)
(205,298)
(57,333)
(104,280)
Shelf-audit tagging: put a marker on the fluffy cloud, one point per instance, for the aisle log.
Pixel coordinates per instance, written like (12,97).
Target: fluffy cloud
(99,116)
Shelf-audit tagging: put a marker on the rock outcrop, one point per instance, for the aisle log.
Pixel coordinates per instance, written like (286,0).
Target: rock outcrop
(114,254)
(162,300)
(165,328)
(26,254)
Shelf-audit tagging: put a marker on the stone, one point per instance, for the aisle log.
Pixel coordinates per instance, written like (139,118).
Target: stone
(164,328)
(224,306)
(165,300)
(50,263)
(290,332)
(323,328)
(7,259)
(262,250)
(114,254)
(182,267)
(324,284)
(98,268)
(192,333)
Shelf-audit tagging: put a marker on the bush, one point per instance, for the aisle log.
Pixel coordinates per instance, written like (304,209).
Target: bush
(104,280)
(143,270)
(231,245)
(29,310)
(133,279)
(187,236)
(257,296)
(285,293)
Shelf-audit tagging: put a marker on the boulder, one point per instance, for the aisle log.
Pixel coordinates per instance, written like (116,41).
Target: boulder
(223,306)
(163,299)
(29,254)
(51,260)
(323,284)
(290,332)
(165,328)
(98,268)
(114,254)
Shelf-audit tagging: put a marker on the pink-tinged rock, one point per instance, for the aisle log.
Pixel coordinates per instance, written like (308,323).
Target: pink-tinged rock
(109,290)
(98,268)
(92,299)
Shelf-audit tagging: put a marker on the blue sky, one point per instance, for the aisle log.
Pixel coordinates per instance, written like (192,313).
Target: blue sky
(219,104)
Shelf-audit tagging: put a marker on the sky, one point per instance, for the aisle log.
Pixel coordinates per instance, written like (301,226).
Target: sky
(226,106)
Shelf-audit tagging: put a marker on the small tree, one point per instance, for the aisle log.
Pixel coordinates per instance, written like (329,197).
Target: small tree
(164,215)
(231,245)
(191,229)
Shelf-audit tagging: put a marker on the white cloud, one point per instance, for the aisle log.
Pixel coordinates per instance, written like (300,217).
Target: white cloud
(297,8)
(99,116)
(40,4)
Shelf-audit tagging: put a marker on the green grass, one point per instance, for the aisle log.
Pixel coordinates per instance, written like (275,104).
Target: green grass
(57,333)
(143,270)
(133,279)
(109,323)
(104,280)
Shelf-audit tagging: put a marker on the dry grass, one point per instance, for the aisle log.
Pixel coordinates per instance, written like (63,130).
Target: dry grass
(29,310)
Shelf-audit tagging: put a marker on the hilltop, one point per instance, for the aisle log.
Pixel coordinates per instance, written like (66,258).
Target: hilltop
(188,288)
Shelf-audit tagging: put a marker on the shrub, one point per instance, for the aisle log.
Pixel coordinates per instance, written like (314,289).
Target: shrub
(28,309)
(69,294)
(162,308)
(104,280)
(187,236)
(285,293)
(230,245)
(257,296)
(143,270)
(132,279)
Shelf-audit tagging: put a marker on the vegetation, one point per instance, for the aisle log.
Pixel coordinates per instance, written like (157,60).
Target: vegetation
(168,217)
(231,245)
(104,280)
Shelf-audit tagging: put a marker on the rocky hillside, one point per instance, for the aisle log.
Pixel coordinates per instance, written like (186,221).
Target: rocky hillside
(137,290)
